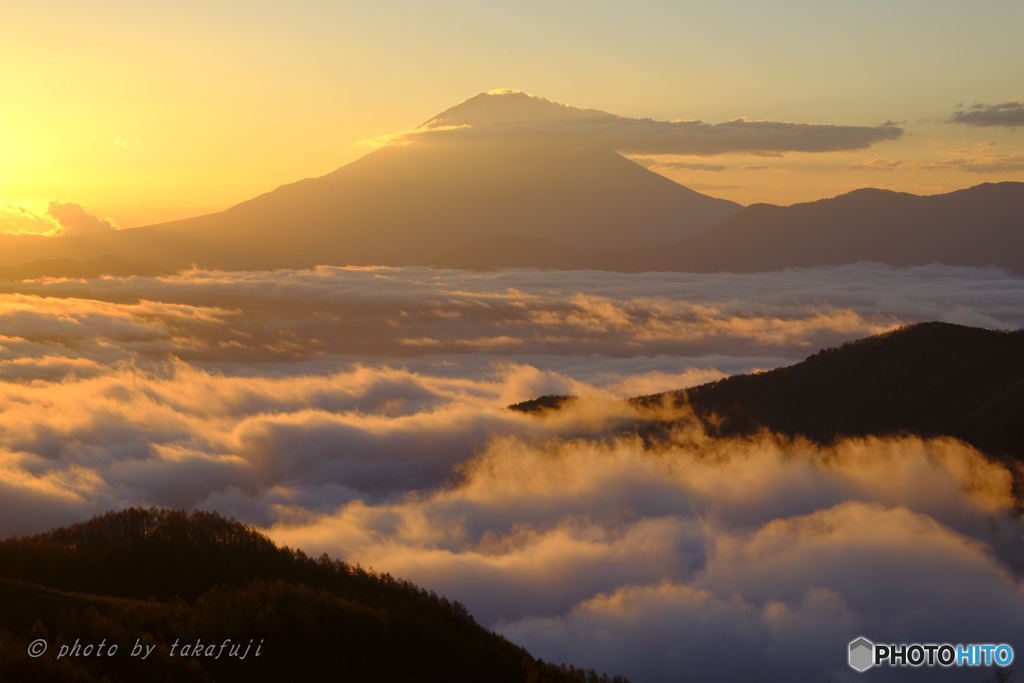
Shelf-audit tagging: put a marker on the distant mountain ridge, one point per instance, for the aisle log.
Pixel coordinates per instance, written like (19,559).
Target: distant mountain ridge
(978,226)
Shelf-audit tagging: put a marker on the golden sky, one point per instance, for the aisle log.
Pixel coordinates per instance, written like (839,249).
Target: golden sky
(141,113)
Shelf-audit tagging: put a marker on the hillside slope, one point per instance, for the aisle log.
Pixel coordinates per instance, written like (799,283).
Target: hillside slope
(928,379)
(156,577)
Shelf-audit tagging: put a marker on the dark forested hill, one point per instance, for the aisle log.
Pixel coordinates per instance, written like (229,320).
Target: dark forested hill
(929,379)
(141,579)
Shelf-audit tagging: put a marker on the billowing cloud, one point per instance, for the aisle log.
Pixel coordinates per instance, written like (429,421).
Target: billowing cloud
(510,115)
(584,545)
(77,221)
(728,559)
(175,435)
(1005,115)
(48,217)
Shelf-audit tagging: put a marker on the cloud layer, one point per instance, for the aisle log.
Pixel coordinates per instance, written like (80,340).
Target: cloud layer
(510,115)
(362,412)
(306,316)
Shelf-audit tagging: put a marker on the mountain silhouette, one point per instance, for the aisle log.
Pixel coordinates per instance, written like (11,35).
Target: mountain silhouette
(513,108)
(415,202)
(979,226)
(402,205)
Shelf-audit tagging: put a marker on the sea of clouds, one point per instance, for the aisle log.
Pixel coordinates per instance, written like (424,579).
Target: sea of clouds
(363,413)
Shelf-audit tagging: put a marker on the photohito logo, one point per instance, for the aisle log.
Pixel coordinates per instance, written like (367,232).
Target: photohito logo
(863,654)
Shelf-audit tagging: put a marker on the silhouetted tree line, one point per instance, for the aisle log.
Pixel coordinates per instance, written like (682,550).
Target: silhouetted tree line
(929,379)
(159,576)
(545,402)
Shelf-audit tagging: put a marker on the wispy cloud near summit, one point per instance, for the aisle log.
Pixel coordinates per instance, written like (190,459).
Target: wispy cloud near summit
(513,115)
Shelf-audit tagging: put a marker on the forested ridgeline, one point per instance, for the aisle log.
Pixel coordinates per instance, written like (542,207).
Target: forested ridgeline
(144,580)
(928,379)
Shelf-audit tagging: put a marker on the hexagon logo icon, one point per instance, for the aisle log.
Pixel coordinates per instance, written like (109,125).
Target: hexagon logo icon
(862,654)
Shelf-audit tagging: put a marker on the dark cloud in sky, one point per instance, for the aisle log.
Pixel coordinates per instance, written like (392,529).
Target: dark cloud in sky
(514,115)
(1005,115)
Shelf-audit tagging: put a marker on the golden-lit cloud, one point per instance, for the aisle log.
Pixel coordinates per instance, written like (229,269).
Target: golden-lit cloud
(618,553)
(48,217)
(980,159)
(77,221)
(27,216)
